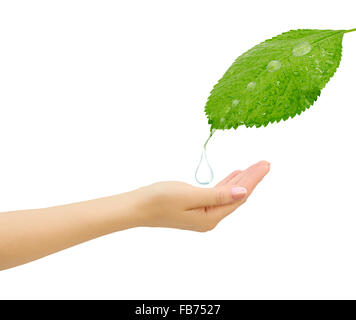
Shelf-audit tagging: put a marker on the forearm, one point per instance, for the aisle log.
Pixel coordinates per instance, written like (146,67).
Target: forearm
(31,234)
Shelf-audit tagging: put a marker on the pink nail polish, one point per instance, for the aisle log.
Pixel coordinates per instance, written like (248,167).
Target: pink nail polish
(238,193)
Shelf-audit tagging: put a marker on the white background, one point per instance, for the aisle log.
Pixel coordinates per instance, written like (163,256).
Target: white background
(100,97)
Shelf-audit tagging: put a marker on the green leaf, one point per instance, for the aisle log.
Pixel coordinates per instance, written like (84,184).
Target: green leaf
(276,79)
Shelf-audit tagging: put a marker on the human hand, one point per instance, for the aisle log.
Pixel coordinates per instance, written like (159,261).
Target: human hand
(164,204)
(180,205)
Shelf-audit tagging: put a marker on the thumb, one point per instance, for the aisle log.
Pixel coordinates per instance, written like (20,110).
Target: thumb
(217,196)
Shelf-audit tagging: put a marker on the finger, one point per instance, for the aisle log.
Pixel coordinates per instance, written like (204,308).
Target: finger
(218,196)
(249,180)
(231,176)
(250,177)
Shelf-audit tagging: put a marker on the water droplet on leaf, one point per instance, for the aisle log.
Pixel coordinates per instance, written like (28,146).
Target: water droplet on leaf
(235,103)
(251,86)
(274,65)
(302,49)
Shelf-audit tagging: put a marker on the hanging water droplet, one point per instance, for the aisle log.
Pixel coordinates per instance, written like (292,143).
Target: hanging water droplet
(204,173)
(274,65)
(251,86)
(302,49)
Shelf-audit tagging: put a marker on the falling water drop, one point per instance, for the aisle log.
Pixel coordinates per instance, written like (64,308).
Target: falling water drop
(204,173)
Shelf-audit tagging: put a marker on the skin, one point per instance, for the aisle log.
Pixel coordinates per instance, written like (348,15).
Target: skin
(32,234)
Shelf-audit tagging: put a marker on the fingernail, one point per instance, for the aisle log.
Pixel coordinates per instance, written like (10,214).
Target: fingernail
(264,162)
(238,193)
